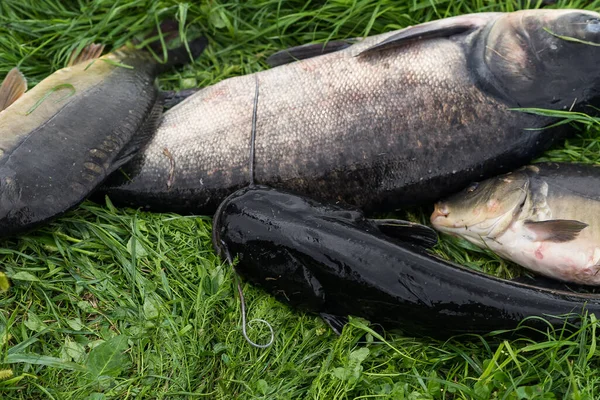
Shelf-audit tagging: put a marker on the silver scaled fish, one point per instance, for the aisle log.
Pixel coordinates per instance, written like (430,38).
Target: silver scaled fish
(400,118)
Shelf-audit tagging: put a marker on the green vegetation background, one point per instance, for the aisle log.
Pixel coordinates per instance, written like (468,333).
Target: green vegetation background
(107,303)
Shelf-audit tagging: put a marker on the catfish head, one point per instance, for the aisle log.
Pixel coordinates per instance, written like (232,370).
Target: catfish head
(541,58)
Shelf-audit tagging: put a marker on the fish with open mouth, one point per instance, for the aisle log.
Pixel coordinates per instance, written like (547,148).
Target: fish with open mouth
(400,118)
(544,217)
(62,138)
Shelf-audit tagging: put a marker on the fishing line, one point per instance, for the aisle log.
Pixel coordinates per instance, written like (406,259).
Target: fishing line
(243,306)
(226,251)
(253,132)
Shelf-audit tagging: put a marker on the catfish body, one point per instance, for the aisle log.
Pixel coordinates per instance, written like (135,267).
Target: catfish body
(544,217)
(62,138)
(330,260)
(396,119)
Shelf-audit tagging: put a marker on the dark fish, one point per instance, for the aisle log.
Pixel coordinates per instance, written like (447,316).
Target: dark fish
(545,217)
(62,138)
(326,259)
(400,118)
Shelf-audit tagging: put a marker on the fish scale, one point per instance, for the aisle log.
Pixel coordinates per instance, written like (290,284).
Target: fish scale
(376,129)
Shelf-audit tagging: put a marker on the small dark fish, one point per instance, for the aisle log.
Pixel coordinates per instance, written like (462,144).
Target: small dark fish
(61,139)
(401,118)
(329,260)
(545,217)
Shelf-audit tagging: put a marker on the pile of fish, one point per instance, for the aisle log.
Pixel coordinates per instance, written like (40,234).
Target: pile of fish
(291,159)
(335,262)
(331,260)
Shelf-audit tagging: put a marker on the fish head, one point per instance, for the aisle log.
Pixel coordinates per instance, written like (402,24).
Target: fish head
(544,58)
(484,209)
(258,225)
(267,231)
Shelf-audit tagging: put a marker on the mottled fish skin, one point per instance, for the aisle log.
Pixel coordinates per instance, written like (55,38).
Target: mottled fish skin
(323,258)
(61,139)
(404,125)
(564,197)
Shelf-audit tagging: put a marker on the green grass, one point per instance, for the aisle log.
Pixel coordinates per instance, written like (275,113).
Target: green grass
(107,303)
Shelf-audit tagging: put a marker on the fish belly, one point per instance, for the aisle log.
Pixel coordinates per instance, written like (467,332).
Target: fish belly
(576,261)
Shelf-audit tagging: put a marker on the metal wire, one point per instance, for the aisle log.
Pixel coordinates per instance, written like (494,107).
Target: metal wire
(253,132)
(226,251)
(243,306)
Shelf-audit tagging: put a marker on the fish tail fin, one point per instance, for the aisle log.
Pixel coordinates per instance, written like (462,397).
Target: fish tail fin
(183,54)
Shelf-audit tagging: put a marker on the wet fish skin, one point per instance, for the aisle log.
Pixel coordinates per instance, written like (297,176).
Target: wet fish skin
(376,129)
(62,138)
(543,217)
(325,259)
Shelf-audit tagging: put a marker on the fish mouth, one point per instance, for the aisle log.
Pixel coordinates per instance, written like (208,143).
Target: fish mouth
(473,233)
(440,219)
(440,212)
(489,228)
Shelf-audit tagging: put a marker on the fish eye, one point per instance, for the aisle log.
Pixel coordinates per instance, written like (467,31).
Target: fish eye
(473,187)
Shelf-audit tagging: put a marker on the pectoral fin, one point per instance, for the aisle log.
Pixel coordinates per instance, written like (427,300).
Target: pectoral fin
(555,230)
(307,51)
(406,231)
(441,28)
(13,87)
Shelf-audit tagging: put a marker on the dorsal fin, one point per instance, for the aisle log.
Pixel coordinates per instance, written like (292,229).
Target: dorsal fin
(88,53)
(440,28)
(13,87)
(305,51)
